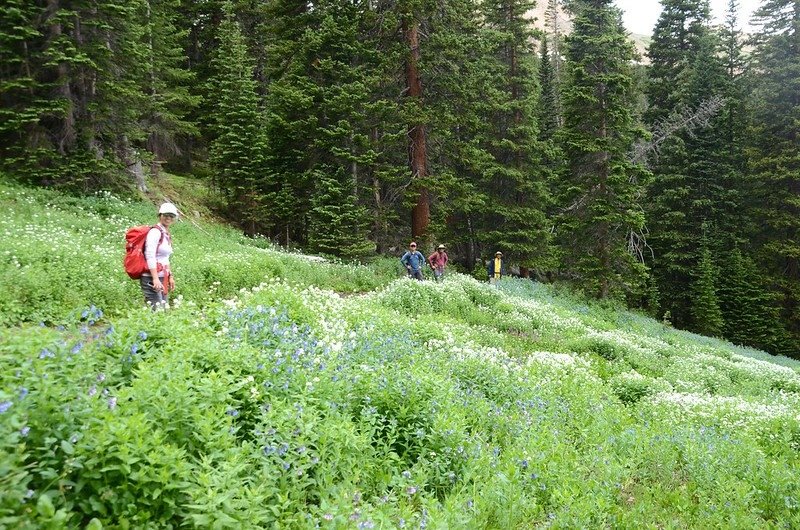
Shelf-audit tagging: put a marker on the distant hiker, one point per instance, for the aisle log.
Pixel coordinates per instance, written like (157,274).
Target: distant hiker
(496,267)
(438,262)
(158,281)
(413,260)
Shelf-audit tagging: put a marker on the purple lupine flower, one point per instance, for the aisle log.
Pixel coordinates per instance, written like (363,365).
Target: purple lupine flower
(411,490)
(4,406)
(101,377)
(24,431)
(92,391)
(77,348)
(112,403)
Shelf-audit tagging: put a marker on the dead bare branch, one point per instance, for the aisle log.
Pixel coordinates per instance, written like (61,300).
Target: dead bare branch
(682,120)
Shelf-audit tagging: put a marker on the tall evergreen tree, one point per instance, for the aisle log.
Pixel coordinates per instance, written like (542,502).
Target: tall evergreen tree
(676,39)
(602,187)
(748,307)
(549,105)
(80,107)
(516,181)
(775,150)
(21,87)
(238,146)
(166,84)
(695,181)
(706,312)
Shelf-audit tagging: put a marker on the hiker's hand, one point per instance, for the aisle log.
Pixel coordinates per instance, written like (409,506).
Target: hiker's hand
(157,285)
(171,283)
(408,267)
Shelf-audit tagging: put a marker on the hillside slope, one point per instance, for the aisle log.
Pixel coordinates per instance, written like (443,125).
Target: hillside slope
(267,399)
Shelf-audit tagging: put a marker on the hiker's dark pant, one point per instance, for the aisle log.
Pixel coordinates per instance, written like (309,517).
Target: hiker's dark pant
(153,298)
(416,274)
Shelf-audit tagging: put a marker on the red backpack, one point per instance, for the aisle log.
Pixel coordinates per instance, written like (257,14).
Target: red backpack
(134,262)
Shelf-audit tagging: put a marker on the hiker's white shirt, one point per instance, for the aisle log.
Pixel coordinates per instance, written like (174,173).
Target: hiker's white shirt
(155,253)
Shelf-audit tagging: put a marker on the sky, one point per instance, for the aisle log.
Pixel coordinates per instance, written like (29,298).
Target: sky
(640,16)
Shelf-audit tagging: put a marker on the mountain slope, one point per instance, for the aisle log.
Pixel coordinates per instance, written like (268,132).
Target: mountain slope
(286,404)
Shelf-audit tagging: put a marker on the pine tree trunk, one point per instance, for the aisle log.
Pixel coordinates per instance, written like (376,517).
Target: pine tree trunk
(66,135)
(417,148)
(603,239)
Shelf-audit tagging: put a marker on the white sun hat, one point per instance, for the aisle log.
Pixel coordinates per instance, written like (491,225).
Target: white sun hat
(168,207)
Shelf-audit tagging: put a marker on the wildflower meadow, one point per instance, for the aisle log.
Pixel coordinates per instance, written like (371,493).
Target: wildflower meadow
(279,391)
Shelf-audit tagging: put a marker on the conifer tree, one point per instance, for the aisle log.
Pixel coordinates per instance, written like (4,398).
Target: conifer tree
(748,307)
(676,40)
(516,179)
(166,84)
(338,224)
(706,312)
(694,182)
(21,104)
(238,145)
(775,150)
(601,189)
(549,105)
(82,105)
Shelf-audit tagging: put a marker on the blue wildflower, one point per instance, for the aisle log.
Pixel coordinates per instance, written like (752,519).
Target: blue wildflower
(142,335)
(77,348)
(24,431)
(4,406)
(232,412)
(134,348)
(112,403)
(283,449)
(23,392)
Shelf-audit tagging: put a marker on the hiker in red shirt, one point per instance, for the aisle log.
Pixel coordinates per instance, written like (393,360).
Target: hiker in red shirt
(438,261)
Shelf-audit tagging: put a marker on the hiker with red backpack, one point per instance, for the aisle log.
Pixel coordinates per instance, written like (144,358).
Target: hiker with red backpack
(147,257)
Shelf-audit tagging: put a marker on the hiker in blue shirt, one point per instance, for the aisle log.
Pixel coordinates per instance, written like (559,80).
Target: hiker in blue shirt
(413,260)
